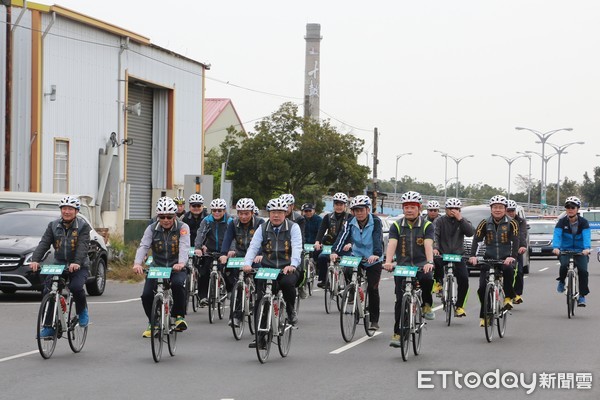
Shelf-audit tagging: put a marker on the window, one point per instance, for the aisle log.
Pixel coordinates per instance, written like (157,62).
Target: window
(61,166)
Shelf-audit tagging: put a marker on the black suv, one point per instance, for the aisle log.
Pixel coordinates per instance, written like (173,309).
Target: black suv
(20,232)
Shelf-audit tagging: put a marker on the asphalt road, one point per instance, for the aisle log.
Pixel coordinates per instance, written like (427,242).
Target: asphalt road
(116,362)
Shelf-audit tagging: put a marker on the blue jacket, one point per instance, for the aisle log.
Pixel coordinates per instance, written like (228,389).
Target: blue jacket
(366,242)
(565,240)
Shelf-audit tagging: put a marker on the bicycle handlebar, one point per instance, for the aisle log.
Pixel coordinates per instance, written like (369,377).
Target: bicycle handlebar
(570,253)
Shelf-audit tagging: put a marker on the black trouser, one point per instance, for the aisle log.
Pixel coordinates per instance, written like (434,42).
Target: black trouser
(518,283)
(322,265)
(581,263)
(438,272)
(508,277)
(204,266)
(373,277)
(426,283)
(238,312)
(177,287)
(287,284)
(461,273)
(76,281)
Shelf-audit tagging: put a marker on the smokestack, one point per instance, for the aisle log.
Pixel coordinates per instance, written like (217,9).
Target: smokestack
(312,71)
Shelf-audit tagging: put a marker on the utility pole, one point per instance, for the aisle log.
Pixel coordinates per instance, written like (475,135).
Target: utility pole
(375,162)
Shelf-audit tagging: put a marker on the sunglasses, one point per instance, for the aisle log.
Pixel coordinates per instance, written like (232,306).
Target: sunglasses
(165,217)
(218,210)
(570,207)
(195,205)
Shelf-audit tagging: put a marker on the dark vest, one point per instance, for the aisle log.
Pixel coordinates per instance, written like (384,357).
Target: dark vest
(410,249)
(165,244)
(335,226)
(244,234)
(277,248)
(498,240)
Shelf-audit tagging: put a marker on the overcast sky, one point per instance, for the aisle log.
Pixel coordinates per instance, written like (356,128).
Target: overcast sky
(456,76)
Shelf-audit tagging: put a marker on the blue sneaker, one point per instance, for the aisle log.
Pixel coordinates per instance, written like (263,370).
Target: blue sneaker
(47,333)
(581,301)
(561,287)
(84,318)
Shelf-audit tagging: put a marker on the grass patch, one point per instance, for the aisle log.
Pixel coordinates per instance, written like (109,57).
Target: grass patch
(120,267)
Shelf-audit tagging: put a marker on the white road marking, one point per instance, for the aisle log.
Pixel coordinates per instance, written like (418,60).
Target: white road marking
(351,345)
(543,269)
(18,356)
(115,302)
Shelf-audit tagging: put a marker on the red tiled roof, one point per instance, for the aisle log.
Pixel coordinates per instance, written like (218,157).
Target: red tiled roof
(213,108)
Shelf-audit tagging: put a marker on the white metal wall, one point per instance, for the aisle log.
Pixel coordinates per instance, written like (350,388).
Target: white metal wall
(21,103)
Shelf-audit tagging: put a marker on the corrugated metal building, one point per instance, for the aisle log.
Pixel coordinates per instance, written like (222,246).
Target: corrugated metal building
(67,82)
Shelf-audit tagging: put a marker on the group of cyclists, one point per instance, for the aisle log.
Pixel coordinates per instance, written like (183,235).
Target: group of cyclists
(351,229)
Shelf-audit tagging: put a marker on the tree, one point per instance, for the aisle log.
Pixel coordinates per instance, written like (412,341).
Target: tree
(290,154)
(590,190)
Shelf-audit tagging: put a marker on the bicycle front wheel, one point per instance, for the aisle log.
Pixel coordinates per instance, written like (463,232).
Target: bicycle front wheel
(488,312)
(264,331)
(251,299)
(212,297)
(194,290)
(157,328)
(570,294)
(171,331)
(449,304)
(404,325)
(76,334)
(502,314)
(310,276)
(236,307)
(284,339)
(417,335)
(222,296)
(328,292)
(349,313)
(47,344)
(367,315)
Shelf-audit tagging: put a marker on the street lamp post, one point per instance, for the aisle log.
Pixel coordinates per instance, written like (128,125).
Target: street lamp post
(528,180)
(545,160)
(396,176)
(543,137)
(445,155)
(560,150)
(509,161)
(457,161)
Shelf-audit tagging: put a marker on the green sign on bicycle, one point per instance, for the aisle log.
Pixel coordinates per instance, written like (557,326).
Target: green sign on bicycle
(236,262)
(326,250)
(267,273)
(350,262)
(191,252)
(159,273)
(309,247)
(452,257)
(406,271)
(52,269)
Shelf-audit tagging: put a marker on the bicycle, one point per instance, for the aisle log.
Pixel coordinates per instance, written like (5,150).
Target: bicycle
(309,264)
(271,318)
(62,319)
(355,301)
(332,288)
(449,285)
(162,323)
(571,287)
(191,284)
(243,297)
(493,301)
(411,314)
(216,289)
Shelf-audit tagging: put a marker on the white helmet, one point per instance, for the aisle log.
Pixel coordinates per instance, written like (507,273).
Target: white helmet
(165,205)
(360,201)
(573,200)
(277,204)
(245,204)
(433,205)
(411,197)
(498,200)
(196,199)
(70,201)
(256,211)
(511,205)
(342,197)
(218,204)
(453,202)
(288,198)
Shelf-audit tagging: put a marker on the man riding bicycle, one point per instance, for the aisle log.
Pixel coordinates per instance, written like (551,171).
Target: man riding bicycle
(195,216)
(362,236)
(411,241)
(70,237)
(433,215)
(572,233)
(450,232)
(180,202)
(501,236)
(280,241)
(511,211)
(169,239)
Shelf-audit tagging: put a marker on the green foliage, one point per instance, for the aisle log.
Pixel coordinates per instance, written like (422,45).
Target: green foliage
(590,190)
(290,154)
